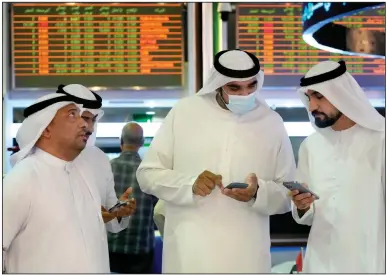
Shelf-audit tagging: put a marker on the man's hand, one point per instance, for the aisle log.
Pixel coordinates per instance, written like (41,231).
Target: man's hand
(106,216)
(205,183)
(302,201)
(130,207)
(123,211)
(127,193)
(246,194)
(127,210)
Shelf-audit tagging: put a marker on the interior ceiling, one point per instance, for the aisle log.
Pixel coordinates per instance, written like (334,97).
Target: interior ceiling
(280,98)
(121,109)
(123,114)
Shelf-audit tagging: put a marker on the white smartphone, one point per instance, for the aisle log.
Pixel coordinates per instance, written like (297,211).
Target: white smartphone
(293,185)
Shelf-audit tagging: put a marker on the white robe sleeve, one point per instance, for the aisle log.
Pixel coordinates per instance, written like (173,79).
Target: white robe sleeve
(17,202)
(272,196)
(381,267)
(156,175)
(384,170)
(302,177)
(113,226)
(159,216)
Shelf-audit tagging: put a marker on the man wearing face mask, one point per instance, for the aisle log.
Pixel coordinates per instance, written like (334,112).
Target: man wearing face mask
(224,134)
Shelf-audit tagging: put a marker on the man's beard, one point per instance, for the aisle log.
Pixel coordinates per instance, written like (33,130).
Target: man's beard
(325,121)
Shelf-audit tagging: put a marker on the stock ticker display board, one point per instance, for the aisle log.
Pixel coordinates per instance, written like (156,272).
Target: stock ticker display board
(273,32)
(97,44)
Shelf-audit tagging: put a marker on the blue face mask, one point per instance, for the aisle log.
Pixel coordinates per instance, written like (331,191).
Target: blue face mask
(241,105)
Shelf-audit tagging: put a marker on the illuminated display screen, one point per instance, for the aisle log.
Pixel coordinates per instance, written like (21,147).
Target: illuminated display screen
(318,11)
(107,45)
(320,31)
(273,32)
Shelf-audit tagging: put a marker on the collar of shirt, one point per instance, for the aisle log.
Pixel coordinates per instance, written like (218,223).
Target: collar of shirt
(337,136)
(129,153)
(53,161)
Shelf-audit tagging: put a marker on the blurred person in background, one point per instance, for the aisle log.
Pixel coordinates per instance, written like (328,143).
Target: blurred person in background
(225,133)
(98,163)
(51,214)
(131,250)
(344,164)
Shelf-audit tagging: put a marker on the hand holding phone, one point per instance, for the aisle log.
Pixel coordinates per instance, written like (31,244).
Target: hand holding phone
(302,197)
(293,185)
(117,206)
(237,185)
(243,192)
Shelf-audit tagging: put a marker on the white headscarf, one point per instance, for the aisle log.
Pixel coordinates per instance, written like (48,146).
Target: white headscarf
(34,125)
(346,95)
(235,60)
(84,93)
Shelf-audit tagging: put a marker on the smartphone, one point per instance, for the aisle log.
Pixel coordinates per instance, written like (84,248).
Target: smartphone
(237,185)
(293,185)
(117,206)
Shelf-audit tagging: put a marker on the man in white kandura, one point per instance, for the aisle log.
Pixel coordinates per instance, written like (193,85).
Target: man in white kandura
(344,164)
(98,163)
(52,219)
(226,133)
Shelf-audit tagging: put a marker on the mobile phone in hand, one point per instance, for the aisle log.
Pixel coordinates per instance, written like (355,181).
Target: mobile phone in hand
(117,206)
(293,185)
(237,185)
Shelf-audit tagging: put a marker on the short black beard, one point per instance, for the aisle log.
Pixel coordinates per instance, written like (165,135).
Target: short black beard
(326,121)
